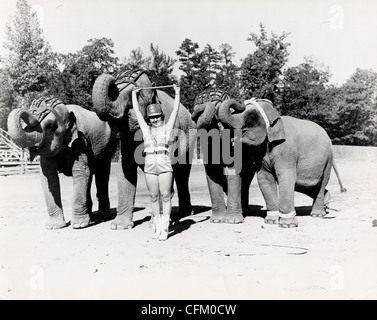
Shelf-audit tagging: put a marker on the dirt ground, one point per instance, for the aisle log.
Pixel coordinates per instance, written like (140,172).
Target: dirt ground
(330,258)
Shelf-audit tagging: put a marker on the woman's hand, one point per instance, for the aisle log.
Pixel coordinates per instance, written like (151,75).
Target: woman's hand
(134,92)
(135,103)
(177,89)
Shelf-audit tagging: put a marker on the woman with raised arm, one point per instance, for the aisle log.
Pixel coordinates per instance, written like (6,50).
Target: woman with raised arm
(158,169)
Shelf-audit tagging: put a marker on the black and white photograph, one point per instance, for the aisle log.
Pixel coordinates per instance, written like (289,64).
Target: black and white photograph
(194,150)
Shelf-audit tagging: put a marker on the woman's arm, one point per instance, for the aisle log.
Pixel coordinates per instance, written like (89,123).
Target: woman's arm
(173,116)
(135,104)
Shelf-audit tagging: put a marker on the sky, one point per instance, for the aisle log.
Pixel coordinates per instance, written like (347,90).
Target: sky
(340,35)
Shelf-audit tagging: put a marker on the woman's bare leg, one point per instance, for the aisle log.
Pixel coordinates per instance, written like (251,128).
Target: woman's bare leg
(165,181)
(154,193)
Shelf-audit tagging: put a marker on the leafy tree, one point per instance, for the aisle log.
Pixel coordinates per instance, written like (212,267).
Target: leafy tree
(357,109)
(82,68)
(227,78)
(135,61)
(30,64)
(209,66)
(7,98)
(189,59)
(303,92)
(261,70)
(200,70)
(158,66)
(161,68)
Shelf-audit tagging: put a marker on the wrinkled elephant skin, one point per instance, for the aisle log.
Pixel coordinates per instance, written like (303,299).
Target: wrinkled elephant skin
(293,154)
(70,140)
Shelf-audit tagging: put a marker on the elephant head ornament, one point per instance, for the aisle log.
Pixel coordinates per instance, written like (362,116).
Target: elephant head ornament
(112,102)
(263,118)
(42,128)
(71,140)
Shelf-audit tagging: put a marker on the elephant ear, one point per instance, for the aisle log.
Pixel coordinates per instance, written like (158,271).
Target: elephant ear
(71,132)
(275,131)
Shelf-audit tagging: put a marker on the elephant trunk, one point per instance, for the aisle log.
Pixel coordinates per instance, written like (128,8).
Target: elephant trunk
(235,120)
(24,136)
(107,101)
(198,110)
(209,115)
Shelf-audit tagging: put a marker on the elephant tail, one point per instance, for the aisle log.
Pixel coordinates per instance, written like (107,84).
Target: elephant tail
(342,188)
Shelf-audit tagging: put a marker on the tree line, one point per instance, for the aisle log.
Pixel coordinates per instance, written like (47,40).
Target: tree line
(31,69)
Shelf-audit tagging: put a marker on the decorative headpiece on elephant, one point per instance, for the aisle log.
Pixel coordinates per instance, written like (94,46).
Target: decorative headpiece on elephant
(221,175)
(113,103)
(71,140)
(292,153)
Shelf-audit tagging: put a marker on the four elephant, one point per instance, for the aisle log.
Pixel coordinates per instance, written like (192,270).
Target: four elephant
(71,140)
(287,154)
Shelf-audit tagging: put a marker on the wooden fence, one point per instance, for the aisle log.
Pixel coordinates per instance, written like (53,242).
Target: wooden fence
(13,159)
(355,152)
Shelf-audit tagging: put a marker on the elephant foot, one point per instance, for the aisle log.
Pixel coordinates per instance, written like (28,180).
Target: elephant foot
(234,218)
(217,219)
(80,221)
(318,212)
(272,217)
(291,222)
(56,222)
(122,222)
(271,220)
(218,216)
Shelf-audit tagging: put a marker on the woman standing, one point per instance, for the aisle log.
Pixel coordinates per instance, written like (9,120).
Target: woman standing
(158,169)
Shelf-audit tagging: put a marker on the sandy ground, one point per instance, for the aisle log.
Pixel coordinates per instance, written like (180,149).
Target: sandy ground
(332,258)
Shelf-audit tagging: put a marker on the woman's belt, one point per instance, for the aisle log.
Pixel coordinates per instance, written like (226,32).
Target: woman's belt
(156,152)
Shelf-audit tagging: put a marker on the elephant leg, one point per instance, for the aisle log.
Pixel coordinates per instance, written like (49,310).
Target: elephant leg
(268,187)
(51,190)
(234,209)
(247,177)
(89,201)
(81,192)
(216,182)
(322,199)
(287,213)
(127,180)
(181,176)
(102,177)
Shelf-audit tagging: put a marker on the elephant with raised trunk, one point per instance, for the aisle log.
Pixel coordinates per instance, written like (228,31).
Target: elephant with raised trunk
(221,177)
(70,140)
(113,103)
(292,155)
